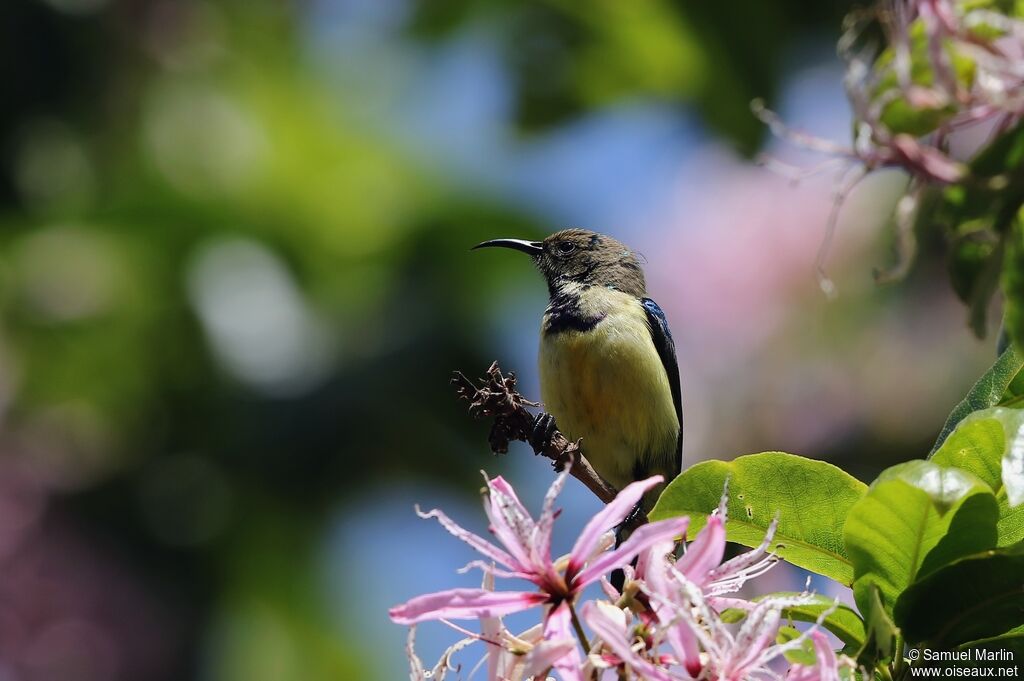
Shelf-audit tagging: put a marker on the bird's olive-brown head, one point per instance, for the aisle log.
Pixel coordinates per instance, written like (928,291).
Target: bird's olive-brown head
(582,257)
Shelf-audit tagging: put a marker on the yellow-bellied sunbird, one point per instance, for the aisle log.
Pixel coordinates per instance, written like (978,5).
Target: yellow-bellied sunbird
(608,371)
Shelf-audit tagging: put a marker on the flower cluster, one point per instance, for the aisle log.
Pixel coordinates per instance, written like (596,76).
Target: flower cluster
(665,624)
(946,66)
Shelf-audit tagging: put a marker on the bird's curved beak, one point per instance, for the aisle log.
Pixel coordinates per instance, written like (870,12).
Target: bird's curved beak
(530,247)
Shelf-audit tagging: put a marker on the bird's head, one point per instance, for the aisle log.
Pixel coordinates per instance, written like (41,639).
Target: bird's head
(579,256)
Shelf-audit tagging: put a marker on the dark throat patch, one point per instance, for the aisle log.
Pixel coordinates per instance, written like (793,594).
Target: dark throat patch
(564,314)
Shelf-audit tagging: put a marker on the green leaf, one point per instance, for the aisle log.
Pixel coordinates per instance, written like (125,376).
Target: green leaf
(987,392)
(972,249)
(811,499)
(990,444)
(974,598)
(881,633)
(990,652)
(843,621)
(804,654)
(915,518)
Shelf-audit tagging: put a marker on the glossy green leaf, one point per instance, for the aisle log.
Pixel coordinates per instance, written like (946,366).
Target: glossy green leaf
(880,634)
(990,444)
(915,518)
(992,652)
(974,598)
(843,621)
(811,499)
(987,392)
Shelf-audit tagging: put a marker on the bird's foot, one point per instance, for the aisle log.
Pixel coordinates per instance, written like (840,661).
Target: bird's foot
(544,429)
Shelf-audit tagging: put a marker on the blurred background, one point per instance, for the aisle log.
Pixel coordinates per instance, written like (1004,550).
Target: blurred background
(235,278)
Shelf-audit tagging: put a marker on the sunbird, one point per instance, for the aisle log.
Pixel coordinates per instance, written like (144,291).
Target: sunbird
(608,369)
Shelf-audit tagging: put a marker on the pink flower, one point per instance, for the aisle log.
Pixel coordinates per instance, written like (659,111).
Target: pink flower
(526,554)
(701,568)
(611,624)
(511,657)
(729,656)
(667,601)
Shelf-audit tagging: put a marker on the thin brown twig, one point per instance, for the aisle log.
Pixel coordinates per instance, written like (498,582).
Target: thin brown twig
(496,397)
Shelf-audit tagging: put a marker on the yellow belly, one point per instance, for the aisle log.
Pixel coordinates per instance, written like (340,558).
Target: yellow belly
(608,386)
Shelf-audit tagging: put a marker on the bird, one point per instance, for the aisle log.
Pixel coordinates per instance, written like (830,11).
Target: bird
(608,369)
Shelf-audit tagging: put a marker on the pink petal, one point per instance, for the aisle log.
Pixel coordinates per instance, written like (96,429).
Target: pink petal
(650,556)
(609,590)
(684,644)
(558,627)
(661,589)
(546,655)
(747,559)
(542,537)
(642,538)
(827,661)
(827,668)
(464,604)
(924,160)
(490,569)
(610,516)
(704,553)
(757,633)
(476,541)
(490,630)
(510,521)
(721,603)
(618,640)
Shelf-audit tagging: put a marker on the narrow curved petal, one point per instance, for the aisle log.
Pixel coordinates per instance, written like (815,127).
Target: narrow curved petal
(748,558)
(490,569)
(490,631)
(642,538)
(670,605)
(828,665)
(476,541)
(683,642)
(464,604)
(704,553)
(510,521)
(541,544)
(756,635)
(610,516)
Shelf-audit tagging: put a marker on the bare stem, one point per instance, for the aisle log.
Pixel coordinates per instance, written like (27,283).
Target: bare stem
(578,626)
(496,397)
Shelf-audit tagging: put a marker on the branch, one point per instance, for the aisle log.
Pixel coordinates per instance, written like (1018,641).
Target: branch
(497,397)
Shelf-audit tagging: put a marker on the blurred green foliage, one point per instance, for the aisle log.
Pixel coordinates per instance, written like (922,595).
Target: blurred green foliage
(169,163)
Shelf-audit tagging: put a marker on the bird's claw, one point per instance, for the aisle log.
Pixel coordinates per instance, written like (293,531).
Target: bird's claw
(543,430)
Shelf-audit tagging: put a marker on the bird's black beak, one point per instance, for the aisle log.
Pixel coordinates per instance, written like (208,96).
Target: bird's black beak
(530,247)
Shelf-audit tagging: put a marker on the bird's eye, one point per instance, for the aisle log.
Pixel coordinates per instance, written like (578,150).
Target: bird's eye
(565,247)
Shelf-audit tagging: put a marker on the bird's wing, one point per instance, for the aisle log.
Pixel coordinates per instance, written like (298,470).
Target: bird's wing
(666,347)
